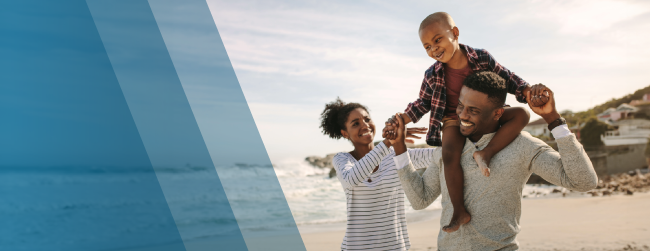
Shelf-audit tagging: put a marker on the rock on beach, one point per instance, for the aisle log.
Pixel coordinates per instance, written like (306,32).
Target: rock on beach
(323,162)
(625,183)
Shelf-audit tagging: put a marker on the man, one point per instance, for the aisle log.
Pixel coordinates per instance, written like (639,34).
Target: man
(495,201)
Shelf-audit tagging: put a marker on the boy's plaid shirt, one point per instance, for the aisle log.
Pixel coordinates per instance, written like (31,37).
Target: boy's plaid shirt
(433,93)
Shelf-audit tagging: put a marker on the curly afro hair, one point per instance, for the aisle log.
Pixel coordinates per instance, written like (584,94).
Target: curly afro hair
(489,83)
(333,118)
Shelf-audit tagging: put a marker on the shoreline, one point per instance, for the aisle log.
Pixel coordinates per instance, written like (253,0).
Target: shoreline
(535,192)
(411,218)
(552,223)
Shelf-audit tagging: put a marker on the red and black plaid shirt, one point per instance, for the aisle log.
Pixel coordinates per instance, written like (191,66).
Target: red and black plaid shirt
(433,93)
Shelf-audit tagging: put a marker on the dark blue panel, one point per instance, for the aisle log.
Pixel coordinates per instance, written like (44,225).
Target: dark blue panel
(74,173)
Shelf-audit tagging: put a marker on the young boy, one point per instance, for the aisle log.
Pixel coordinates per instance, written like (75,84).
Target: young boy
(439,95)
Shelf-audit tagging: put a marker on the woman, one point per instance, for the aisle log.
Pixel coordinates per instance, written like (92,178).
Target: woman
(375,199)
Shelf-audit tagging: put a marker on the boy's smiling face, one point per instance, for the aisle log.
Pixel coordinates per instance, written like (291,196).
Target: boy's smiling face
(440,40)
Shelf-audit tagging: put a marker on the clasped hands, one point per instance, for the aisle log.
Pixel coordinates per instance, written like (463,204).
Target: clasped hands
(396,132)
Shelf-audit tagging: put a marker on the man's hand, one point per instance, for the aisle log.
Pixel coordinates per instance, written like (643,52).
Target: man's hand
(402,134)
(399,145)
(535,95)
(547,111)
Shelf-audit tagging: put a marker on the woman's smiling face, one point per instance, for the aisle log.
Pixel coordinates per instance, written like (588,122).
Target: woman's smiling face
(360,129)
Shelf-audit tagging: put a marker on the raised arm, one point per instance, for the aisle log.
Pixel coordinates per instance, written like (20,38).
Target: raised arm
(421,157)
(352,173)
(421,191)
(515,84)
(570,167)
(418,108)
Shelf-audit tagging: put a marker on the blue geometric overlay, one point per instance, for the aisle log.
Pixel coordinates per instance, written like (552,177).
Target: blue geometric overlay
(124,128)
(74,174)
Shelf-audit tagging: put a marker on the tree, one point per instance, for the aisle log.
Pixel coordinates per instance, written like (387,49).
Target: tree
(590,133)
(579,117)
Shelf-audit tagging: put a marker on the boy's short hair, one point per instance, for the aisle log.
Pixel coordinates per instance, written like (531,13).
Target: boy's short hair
(489,83)
(441,17)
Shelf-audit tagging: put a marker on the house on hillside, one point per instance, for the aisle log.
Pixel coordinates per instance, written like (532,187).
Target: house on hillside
(630,132)
(623,111)
(538,128)
(644,100)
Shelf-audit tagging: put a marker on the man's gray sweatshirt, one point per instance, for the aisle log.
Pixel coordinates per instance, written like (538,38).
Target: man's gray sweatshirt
(495,202)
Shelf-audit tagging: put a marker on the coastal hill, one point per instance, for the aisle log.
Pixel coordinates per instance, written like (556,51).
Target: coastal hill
(583,116)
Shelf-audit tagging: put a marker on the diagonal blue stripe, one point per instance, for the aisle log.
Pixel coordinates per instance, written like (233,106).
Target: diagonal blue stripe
(166,124)
(227,125)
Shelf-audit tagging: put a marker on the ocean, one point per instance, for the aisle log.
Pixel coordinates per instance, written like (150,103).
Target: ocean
(52,204)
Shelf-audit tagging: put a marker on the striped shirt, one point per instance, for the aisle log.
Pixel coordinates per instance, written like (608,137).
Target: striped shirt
(375,209)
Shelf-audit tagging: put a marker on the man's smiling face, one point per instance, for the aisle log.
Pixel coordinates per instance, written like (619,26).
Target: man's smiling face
(477,114)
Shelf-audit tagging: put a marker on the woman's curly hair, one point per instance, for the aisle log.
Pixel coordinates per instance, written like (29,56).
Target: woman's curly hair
(333,118)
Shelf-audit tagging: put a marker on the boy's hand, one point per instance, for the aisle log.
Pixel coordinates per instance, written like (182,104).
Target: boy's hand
(537,96)
(547,111)
(483,159)
(393,120)
(391,123)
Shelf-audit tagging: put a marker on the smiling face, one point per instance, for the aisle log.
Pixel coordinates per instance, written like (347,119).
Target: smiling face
(477,114)
(440,40)
(360,129)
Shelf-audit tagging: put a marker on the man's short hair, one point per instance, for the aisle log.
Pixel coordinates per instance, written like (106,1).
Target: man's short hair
(438,17)
(489,83)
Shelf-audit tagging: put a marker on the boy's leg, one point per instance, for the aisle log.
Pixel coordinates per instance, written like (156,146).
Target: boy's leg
(452,148)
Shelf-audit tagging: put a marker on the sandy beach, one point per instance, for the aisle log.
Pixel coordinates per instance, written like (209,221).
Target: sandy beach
(617,222)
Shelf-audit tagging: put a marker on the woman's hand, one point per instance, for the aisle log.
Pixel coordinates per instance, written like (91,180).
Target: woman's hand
(411,134)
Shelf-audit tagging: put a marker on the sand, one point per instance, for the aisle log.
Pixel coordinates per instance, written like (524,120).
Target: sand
(577,223)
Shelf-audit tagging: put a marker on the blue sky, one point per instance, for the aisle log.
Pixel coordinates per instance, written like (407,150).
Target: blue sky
(292,57)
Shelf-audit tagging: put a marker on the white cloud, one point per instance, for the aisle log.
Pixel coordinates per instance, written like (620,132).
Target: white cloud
(293,57)
(578,17)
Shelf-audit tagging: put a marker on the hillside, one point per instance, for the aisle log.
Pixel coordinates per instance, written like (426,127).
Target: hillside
(573,118)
